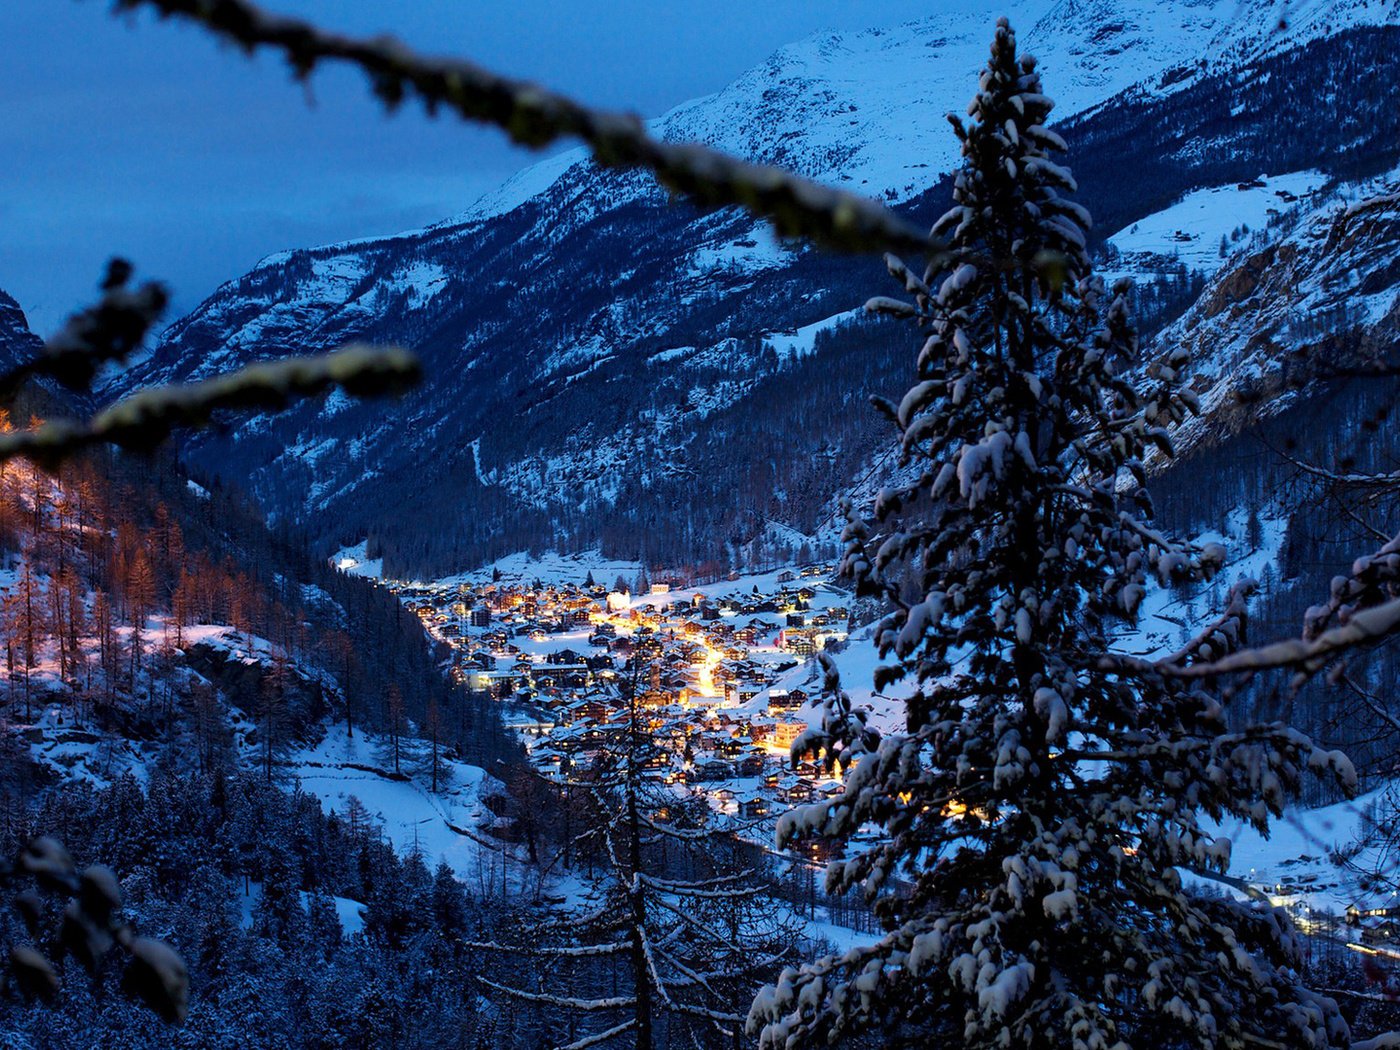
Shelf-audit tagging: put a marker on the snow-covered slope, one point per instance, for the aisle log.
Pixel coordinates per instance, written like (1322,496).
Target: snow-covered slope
(1315,294)
(865,110)
(607,367)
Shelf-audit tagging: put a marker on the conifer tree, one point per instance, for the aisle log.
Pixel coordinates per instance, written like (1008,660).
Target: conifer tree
(1045,794)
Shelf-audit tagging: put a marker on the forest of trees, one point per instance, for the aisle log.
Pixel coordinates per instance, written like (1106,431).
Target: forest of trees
(113,560)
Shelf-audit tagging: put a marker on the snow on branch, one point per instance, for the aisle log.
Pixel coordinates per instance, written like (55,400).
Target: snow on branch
(147,417)
(615,1003)
(580,951)
(679,886)
(599,1038)
(535,117)
(1307,654)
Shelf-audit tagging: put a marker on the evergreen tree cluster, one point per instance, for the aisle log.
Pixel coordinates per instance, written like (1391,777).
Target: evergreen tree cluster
(242,879)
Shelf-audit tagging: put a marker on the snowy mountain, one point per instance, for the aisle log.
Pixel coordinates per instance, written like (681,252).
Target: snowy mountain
(606,367)
(17,342)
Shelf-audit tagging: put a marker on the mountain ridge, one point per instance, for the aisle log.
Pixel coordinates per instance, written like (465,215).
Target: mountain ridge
(585,345)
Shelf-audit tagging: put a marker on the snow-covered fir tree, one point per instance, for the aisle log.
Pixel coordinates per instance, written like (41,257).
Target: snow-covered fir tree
(1047,794)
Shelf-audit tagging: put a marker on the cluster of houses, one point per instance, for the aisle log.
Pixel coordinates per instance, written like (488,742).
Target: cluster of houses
(708,671)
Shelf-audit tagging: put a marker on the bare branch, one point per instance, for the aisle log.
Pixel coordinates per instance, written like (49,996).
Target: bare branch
(614,948)
(1308,655)
(147,417)
(601,1037)
(109,331)
(616,1003)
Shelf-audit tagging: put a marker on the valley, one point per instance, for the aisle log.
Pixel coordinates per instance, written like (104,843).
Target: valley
(632,611)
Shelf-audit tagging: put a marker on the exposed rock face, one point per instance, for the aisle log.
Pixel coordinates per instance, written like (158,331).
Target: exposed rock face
(1322,301)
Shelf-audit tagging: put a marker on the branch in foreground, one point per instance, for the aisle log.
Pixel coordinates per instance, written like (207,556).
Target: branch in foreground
(1304,654)
(108,331)
(91,931)
(146,418)
(535,117)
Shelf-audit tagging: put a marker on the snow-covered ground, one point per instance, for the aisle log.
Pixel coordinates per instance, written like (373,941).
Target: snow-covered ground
(449,826)
(355,561)
(1190,230)
(349,912)
(549,568)
(1296,861)
(802,342)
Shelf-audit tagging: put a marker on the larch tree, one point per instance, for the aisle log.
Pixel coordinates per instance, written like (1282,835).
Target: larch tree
(31,629)
(1046,794)
(395,722)
(139,588)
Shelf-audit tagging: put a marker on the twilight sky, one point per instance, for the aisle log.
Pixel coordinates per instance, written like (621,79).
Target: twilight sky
(151,140)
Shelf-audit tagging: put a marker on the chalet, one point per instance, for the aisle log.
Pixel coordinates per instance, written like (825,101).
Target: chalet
(594,709)
(654,698)
(786,699)
(713,770)
(798,641)
(749,765)
(784,733)
(754,807)
(657,760)
(739,693)
(797,792)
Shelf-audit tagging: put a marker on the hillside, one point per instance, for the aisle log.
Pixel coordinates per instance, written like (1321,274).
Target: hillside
(149,621)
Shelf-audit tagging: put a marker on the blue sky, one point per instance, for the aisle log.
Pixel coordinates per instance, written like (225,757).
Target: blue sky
(150,140)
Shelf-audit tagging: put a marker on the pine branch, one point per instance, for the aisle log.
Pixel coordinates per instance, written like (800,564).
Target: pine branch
(146,418)
(535,117)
